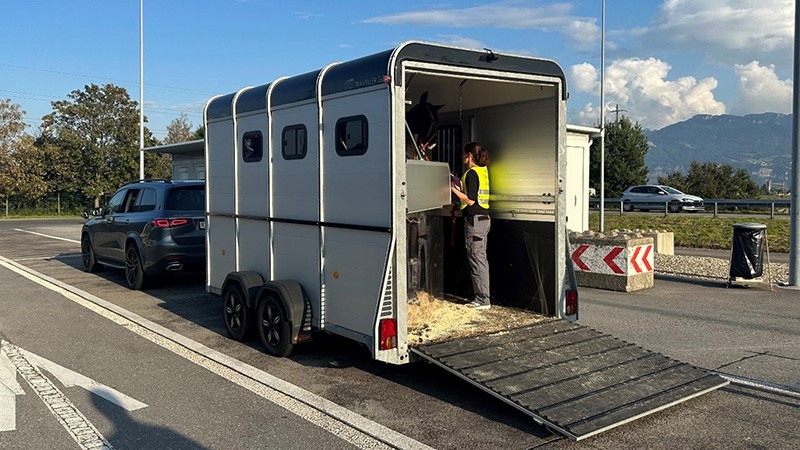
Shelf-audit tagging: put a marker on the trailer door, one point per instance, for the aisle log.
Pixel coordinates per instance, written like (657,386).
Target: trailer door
(356,206)
(295,198)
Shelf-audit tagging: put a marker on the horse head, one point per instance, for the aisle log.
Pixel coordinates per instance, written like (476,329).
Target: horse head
(422,122)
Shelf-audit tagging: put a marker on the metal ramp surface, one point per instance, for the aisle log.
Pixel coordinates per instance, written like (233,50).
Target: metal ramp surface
(575,380)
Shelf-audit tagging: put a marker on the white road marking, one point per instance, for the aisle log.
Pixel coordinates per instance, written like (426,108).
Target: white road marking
(68,415)
(70,378)
(9,389)
(47,258)
(47,236)
(337,420)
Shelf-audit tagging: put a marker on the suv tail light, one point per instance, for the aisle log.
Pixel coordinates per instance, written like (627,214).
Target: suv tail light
(169,223)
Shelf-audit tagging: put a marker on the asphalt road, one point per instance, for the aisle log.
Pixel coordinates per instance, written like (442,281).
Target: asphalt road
(195,401)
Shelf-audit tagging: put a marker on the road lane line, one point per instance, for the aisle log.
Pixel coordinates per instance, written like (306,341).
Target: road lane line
(77,425)
(337,420)
(47,235)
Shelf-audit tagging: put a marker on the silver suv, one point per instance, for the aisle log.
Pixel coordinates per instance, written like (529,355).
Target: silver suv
(653,196)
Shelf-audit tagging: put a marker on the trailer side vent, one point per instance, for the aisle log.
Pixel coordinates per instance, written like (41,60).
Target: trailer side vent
(387,304)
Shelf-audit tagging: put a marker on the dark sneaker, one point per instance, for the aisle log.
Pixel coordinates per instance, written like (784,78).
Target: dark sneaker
(478,305)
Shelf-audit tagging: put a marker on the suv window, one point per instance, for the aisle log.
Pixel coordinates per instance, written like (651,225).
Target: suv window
(147,200)
(115,204)
(130,200)
(190,198)
(639,190)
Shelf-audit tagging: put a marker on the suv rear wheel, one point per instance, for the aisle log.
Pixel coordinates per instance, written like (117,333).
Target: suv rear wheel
(134,273)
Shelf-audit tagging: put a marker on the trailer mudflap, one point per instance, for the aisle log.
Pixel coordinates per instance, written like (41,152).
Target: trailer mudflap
(575,380)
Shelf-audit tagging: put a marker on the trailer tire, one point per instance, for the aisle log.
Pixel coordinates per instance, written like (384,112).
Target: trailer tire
(274,330)
(235,312)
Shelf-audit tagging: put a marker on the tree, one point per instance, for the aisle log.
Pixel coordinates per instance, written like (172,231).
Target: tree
(179,130)
(199,133)
(625,148)
(21,167)
(711,180)
(92,139)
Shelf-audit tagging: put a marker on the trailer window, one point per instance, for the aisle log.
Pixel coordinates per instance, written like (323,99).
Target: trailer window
(252,146)
(294,142)
(351,136)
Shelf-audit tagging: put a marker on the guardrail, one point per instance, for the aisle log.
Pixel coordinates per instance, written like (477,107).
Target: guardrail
(718,204)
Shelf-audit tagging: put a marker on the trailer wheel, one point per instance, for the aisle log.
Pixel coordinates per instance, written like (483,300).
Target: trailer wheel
(234,312)
(273,328)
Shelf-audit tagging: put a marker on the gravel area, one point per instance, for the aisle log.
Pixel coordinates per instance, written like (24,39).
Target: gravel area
(703,267)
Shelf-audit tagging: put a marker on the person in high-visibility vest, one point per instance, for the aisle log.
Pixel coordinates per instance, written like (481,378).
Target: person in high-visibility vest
(475,209)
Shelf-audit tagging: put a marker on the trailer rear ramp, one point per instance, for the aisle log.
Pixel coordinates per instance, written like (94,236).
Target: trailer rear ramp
(574,380)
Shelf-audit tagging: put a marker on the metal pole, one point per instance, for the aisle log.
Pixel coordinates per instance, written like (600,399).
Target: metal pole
(602,116)
(141,89)
(794,231)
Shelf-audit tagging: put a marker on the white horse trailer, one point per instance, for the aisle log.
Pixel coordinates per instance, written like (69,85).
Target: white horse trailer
(317,220)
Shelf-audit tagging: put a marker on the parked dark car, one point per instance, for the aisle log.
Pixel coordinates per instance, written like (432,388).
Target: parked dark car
(149,228)
(655,196)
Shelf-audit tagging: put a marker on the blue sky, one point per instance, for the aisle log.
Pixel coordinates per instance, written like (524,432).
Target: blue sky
(666,61)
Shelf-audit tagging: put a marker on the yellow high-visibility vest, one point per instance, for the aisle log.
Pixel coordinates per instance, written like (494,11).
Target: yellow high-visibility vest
(483,186)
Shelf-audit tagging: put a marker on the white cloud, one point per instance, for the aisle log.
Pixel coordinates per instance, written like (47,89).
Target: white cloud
(760,90)
(459,41)
(507,14)
(584,77)
(641,88)
(726,25)
(583,32)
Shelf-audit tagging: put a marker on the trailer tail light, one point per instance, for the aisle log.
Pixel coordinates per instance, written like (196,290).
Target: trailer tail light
(572,302)
(387,334)
(169,223)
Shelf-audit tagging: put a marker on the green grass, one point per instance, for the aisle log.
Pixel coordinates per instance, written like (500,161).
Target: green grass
(697,232)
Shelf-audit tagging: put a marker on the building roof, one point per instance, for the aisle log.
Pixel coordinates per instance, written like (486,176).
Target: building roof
(191,148)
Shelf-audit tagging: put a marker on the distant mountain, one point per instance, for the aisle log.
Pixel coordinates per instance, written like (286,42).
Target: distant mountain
(759,143)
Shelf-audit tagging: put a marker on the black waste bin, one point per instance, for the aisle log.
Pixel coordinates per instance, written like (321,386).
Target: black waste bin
(747,251)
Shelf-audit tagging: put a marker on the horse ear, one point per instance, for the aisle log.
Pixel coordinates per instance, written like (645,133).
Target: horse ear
(424,97)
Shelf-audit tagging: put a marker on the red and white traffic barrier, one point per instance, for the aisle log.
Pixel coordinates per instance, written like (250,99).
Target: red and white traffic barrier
(617,262)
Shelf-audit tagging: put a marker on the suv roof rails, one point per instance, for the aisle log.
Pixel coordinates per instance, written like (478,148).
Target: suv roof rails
(148,180)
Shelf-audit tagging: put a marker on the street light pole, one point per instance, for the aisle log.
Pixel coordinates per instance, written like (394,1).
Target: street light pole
(602,116)
(794,233)
(141,89)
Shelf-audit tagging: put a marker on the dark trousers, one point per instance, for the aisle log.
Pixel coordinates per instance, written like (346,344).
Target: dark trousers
(475,237)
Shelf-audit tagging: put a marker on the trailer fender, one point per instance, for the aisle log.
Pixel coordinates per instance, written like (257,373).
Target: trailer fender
(290,294)
(250,282)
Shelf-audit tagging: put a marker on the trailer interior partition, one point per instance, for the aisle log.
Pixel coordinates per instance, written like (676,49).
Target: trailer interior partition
(519,119)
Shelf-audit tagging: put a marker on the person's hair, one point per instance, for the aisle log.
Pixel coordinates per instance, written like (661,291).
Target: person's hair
(479,154)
